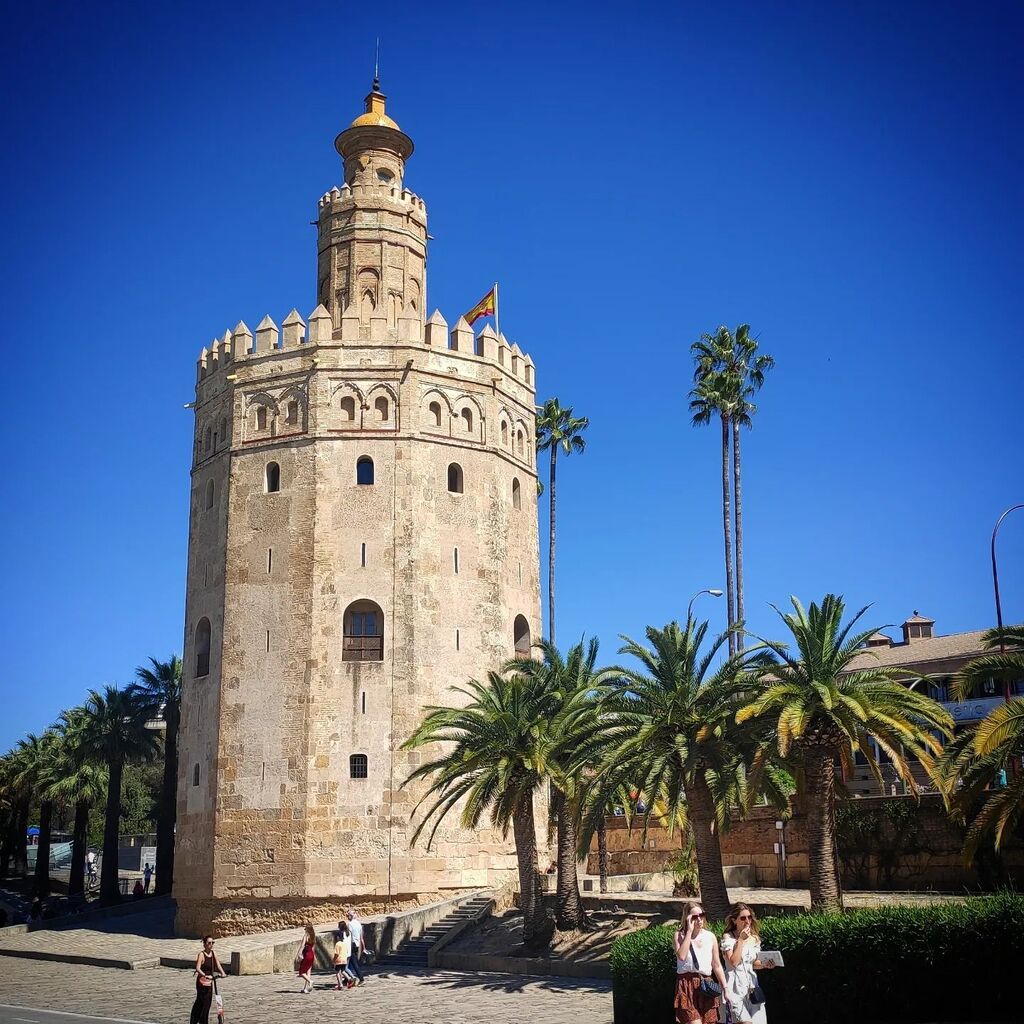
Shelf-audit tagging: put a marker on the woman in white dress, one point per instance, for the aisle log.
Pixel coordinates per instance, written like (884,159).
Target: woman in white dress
(741,944)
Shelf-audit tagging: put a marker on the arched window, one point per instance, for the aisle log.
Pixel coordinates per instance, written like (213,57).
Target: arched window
(517,497)
(504,434)
(223,430)
(455,478)
(381,409)
(293,412)
(358,766)
(208,439)
(521,636)
(364,470)
(195,775)
(520,441)
(348,409)
(273,478)
(261,418)
(467,420)
(209,494)
(364,632)
(202,645)
(435,413)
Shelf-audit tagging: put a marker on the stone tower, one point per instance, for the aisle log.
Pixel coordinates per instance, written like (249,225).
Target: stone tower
(363,535)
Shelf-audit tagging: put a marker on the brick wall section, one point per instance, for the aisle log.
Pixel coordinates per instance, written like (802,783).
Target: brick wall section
(934,860)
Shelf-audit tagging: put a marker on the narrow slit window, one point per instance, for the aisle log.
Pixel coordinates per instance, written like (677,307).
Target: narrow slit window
(517,497)
(362,555)
(293,412)
(455,480)
(456,640)
(261,418)
(268,641)
(195,775)
(209,494)
(455,559)
(270,560)
(206,574)
(273,478)
(364,702)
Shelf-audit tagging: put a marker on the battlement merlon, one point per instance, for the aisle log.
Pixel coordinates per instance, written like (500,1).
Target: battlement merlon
(218,362)
(363,197)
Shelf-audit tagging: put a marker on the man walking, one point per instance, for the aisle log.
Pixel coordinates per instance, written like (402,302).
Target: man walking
(355,926)
(147,875)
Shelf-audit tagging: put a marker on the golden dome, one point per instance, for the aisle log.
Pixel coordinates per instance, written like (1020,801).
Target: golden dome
(378,120)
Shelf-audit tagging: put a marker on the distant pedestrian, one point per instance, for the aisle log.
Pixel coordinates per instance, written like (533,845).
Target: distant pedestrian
(698,969)
(36,910)
(207,969)
(90,866)
(305,958)
(342,952)
(355,926)
(147,876)
(741,944)
(137,891)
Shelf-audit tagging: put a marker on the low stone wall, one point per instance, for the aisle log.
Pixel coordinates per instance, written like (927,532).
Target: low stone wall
(533,966)
(382,935)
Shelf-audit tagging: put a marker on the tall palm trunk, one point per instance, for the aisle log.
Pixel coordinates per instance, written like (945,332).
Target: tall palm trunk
(570,914)
(711,877)
(526,858)
(21,839)
(110,889)
(602,853)
(167,812)
(6,844)
(551,546)
(41,884)
(819,770)
(730,586)
(76,879)
(738,517)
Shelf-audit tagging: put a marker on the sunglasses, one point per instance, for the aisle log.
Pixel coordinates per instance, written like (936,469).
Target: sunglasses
(696,917)
(744,917)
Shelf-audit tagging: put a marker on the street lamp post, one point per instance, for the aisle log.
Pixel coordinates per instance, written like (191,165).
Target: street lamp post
(714,592)
(995,587)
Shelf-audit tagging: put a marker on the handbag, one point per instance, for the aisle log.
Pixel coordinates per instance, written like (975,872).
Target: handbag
(708,986)
(756,996)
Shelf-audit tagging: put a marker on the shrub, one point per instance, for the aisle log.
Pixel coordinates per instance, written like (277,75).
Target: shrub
(909,964)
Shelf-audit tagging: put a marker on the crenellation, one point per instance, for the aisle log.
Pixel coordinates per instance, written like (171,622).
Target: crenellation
(436,332)
(241,340)
(293,330)
(462,337)
(321,326)
(266,336)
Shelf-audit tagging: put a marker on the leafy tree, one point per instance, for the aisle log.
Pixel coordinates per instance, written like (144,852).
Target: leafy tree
(557,430)
(980,768)
(494,761)
(822,710)
(34,774)
(114,732)
(159,688)
(574,685)
(671,733)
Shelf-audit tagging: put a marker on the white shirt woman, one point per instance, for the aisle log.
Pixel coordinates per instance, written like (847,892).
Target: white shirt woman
(741,944)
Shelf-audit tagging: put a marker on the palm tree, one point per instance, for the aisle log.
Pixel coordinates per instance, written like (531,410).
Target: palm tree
(494,760)
(78,782)
(557,430)
(159,688)
(18,792)
(822,709)
(575,687)
(712,396)
(34,773)
(114,731)
(728,374)
(672,734)
(979,766)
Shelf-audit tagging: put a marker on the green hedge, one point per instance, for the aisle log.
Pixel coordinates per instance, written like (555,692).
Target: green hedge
(948,962)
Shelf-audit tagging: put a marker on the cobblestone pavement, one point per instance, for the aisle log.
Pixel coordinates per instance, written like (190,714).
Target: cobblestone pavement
(164,995)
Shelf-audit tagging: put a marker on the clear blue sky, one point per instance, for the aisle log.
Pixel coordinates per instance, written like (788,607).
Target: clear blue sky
(846,178)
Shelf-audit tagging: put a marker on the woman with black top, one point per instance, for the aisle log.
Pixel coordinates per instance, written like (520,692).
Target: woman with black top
(207,968)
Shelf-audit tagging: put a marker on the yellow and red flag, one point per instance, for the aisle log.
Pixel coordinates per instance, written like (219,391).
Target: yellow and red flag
(487,306)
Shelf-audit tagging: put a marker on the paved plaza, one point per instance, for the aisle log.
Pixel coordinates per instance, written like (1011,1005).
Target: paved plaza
(164,995)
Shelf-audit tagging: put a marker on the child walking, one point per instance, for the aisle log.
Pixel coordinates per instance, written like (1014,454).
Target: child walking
(342,952)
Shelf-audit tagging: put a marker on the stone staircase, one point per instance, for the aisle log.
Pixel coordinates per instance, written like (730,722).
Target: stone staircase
(412,954)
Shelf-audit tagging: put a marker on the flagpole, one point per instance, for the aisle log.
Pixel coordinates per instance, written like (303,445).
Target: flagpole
(497,329)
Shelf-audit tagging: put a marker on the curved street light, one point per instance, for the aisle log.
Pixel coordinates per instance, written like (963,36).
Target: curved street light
(713,591)
(995,587)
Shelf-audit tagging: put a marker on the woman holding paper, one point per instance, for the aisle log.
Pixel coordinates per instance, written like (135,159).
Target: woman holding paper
(741,944)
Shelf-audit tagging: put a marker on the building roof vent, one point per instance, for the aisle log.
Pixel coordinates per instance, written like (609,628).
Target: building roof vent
(917,627)
(879,640)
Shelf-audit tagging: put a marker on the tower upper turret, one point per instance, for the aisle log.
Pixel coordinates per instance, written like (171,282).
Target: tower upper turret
(372,248)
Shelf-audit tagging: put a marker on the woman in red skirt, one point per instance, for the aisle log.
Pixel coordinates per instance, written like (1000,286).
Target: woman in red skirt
(306,956)
(697,961)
